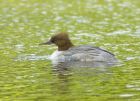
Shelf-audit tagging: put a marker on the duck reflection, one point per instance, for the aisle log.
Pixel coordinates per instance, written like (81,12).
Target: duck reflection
(65,71)
(61,87)
(64,65)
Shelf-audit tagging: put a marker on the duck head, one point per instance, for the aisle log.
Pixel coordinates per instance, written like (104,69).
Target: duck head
(61,40)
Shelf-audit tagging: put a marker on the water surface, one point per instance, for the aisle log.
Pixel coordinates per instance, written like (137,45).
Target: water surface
(110,24)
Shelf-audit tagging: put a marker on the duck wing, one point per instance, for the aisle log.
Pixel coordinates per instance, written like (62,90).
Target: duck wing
(89,53)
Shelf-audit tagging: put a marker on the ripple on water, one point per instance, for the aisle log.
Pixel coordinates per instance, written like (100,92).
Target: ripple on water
(134,87)
(91,35)
(126,95)
(19,47)
(136,33)
(31,57)
(125,32)
(119,32)
(132,58)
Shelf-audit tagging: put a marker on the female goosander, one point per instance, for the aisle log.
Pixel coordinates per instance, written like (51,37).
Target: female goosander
(68,52)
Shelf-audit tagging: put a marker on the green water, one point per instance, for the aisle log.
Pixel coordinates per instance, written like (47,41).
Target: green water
(111,24)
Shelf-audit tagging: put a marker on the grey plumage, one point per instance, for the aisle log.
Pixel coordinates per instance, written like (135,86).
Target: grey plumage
(88,53)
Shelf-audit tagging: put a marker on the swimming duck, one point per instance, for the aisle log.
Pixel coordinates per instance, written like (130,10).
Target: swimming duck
(67,51)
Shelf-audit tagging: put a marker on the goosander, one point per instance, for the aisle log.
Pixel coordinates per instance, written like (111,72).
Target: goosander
(69,52)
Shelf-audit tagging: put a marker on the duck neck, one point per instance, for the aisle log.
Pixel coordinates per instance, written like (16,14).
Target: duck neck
(66,46)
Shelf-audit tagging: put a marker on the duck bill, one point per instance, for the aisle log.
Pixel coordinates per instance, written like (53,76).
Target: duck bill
(46,43)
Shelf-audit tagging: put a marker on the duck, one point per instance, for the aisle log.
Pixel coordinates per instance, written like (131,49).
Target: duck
(68,52)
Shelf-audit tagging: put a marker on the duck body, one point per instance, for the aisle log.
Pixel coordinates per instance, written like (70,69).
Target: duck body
(83,53)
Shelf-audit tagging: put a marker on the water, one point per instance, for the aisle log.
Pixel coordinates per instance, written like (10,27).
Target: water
(26,74)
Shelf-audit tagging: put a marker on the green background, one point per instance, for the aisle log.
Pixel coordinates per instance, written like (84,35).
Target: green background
(111,24)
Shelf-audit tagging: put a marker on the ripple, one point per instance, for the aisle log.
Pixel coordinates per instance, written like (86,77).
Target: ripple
(19,47)
(119,32)
(132,58)
(130,86)
(91,35)
(134,87)
(136,33)
(127,95)
(31,57)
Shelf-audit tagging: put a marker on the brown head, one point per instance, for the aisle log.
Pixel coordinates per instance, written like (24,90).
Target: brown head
(61,40)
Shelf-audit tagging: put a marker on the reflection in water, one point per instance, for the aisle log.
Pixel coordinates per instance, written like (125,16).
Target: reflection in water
(65,71)
(62,85)
(83,64)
